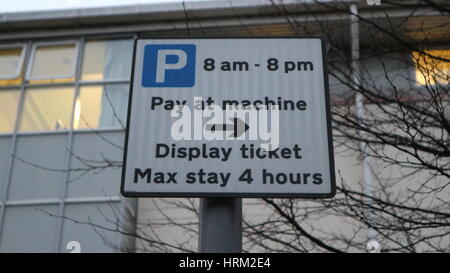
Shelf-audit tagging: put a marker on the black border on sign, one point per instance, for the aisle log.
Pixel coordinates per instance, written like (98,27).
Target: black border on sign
(331,194)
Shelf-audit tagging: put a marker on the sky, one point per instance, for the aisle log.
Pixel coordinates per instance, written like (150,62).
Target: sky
(10,6)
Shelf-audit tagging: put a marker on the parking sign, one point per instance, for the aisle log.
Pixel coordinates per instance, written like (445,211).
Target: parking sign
(237,117)
(169,65)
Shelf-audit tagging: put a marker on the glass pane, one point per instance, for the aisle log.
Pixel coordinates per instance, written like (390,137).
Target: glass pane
(105,60)
(38,169)
(9,62)
(94,183)
(53,61)
(101,106)
(5,151)
(29,229)
(9,101)
(47,109)
(430,70)
(99,239)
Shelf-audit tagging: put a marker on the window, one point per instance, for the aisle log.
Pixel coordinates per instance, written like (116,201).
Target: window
(47,91)
(52,61)
(9,101)
(55,90)
(429,70)
(11,60)
(30,182)
(47,109)
(101,106)
(28,229)
(107,60)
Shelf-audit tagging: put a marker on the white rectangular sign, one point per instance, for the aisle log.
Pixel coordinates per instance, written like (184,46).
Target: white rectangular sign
(234,117)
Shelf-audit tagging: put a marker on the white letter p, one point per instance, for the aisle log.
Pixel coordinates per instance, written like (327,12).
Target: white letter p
(162,66)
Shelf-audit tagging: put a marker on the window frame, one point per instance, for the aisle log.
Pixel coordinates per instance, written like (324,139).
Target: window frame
(19,68)
(29,48)
(34,47)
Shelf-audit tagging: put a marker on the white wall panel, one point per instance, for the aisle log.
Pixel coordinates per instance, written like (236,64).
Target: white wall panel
(29,229)
(96,183)
(44,180)
(5,150)
(90,234)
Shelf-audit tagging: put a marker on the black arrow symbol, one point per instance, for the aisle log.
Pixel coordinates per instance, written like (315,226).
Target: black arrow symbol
(238,127)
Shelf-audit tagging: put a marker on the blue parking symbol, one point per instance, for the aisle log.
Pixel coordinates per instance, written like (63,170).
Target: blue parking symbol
(169,65)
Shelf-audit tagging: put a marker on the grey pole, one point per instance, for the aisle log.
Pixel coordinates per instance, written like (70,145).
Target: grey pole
(359,101)
(220,228)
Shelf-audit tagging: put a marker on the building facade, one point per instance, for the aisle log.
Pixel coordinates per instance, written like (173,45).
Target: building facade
(64,82)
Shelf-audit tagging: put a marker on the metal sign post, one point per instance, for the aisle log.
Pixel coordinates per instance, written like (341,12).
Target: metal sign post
(220,229)
(224,119)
